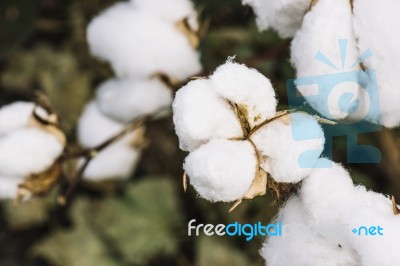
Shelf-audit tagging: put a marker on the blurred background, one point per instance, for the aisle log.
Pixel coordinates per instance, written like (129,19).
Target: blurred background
(144,221)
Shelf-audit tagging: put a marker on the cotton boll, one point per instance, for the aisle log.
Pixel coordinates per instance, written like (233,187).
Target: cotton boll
(331,200)
(374,209)
(372,21)
(119,160)
(126,99)
(328,195)
(15,115)
(142,44)
(247,86)
(301,244)
(200,115)
(290,148)
(318,38)
(222,170)
(94,127)
(27,151)
(116,161)
(171,10)
(9,186)
(284,16)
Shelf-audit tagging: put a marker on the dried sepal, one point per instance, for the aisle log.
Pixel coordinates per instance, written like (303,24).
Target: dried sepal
(191,34)
(167,80)
(324,120)
(48,123)
(185,181)
(312,4)
(396,209)
(39,184)
(139,139)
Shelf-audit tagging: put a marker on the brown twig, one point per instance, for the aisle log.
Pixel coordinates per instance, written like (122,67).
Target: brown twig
(390,159)
(90,153)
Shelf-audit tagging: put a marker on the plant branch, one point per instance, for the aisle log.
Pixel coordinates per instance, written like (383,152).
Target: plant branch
(90,153)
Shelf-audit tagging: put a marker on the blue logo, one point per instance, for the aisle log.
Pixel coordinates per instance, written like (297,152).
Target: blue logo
(355,101)
(236,229)
(368,231)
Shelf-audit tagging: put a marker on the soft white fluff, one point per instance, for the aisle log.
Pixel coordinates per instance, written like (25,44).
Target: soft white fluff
(171,10)
(284,16)
(200,115)
(116,161)
(15,115)
(222,170)
(242,85)
(137,43)
(320,32)
(94,127)
(372,21)
(301,243)
(27,151)
(290,149)
(332,200)
(125,99)
(9,186)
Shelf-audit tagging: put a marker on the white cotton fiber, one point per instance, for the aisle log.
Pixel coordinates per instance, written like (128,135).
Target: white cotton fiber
(200,115)
(139,44)
(301,243)
(27,151)
(94,127)
(290,150)
(374,209)
(15,115)
(9,186)
(331,199)
(319,35)
(126,99)
(242,85)
(222,170)
(284,16)
(170,10)
(116,161)
(372,22)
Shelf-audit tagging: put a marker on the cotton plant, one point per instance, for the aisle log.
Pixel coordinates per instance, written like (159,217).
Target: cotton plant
(151,48)
(361,25)
(321,218)
(30,148)
(239,144)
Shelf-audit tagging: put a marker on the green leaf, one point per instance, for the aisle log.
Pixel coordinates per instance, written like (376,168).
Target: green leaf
(130,229)
(214,251)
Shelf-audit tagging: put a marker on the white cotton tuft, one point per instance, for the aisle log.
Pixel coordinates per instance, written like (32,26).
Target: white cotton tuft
(290,148)
(301,243)
(9,186)
(15,115)
(222,170)
(284,16)
(319,37)
(242,85)
(171,10)
(139,44)
(94,127)
(200,115)
(119,160)
(28,151)
(116,161)
(331,199)
(126,99)
(372,21)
